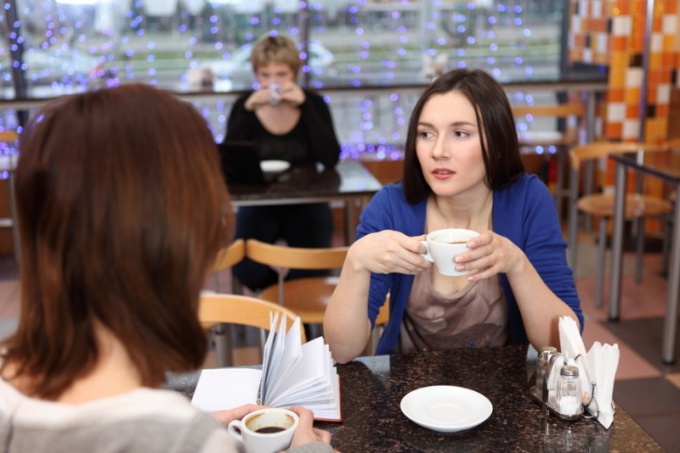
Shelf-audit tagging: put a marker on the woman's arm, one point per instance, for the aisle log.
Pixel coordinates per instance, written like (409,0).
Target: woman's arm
(319,125)
(347,327)
(240,122)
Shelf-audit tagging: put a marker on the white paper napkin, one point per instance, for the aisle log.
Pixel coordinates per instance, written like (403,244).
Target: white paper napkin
(603,361)
(598,365)
(574,351)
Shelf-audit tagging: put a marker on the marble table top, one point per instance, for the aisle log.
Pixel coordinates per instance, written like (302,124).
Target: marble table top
(372,389)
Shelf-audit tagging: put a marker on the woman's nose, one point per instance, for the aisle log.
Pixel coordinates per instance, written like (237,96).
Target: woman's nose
(439,149)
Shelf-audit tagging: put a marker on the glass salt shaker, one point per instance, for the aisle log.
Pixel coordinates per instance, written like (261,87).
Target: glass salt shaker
(569,391)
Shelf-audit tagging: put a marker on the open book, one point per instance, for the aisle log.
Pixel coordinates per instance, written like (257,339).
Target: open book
(292,374)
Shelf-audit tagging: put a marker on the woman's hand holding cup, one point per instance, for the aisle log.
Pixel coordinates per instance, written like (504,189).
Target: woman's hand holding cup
(444,245)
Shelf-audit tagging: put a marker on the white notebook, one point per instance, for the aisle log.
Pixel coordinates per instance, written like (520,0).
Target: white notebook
(292,374)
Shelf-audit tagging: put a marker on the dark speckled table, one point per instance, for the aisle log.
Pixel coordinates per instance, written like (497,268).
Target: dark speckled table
(372,388)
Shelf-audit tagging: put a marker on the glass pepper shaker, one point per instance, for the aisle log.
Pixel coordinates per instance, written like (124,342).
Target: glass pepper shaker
(569,391)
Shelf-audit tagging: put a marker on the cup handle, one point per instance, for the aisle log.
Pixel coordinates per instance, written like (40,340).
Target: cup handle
(427,255)
(234,429)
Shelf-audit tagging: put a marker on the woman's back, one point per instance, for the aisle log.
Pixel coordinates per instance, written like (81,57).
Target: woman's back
(143,420)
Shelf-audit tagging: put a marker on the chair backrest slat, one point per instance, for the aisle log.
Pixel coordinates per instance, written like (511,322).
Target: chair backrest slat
(230,255)
(243,310)
(295,257)
(573,109)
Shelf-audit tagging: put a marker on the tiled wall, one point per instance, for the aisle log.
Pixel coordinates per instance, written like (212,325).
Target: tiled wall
(612,33)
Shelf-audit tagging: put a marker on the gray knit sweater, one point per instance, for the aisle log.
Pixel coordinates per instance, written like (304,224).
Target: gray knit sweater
(144,420)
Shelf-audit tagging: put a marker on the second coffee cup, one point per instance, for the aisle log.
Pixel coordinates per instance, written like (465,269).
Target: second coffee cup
(444,245)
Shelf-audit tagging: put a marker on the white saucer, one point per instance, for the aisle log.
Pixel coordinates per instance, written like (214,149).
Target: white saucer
(446,408)
(274,166)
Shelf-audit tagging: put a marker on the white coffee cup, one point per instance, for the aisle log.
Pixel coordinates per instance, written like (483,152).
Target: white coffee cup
(444,245)
(265,430)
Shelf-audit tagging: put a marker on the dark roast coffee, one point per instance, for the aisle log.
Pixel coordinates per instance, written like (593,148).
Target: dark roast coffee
(269,430)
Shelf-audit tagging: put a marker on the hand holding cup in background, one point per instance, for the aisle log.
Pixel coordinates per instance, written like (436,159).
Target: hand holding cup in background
(266,430)
(444,245)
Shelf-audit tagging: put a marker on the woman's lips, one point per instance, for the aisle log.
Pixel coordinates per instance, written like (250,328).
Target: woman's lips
(442,173)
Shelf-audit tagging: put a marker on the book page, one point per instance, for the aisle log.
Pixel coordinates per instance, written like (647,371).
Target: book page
(308,375)
(226,388)
(289,355)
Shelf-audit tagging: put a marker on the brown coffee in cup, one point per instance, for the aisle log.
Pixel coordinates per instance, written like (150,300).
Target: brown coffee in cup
(269,429)
(264,424)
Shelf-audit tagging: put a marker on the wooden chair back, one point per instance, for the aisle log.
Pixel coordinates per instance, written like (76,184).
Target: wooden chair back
(230,255)
(572,113)
(307,297)
(8,136)
(295,257)
(243,310)
(599,150)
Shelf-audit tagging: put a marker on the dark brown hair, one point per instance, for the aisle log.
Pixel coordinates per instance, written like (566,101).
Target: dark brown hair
(121,209)
(500,148)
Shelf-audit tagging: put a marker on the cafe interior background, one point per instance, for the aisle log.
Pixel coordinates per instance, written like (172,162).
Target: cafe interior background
(371,60)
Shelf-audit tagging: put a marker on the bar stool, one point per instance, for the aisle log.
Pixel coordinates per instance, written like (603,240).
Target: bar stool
(570,116)
(639,207)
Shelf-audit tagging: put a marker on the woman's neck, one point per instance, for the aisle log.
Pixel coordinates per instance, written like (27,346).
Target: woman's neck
(470,212)
(278,119)
(114,374)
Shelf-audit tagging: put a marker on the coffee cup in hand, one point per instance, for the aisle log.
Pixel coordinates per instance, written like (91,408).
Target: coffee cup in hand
(444,245)
(275,92)
(265,430)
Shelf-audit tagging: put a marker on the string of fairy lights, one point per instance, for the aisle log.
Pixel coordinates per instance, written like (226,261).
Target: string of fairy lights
(75,45)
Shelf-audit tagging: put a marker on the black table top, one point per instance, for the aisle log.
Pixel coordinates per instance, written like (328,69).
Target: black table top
(306,184)
(372,389)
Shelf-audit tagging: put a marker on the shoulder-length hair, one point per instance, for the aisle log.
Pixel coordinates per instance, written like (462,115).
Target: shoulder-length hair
(121,209)
(500,148)
(276,49)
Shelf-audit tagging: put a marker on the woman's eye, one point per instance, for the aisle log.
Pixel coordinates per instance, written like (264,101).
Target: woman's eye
(425,134)
(461,134)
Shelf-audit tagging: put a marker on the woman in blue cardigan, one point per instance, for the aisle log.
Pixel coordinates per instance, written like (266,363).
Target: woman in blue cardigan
(462,169)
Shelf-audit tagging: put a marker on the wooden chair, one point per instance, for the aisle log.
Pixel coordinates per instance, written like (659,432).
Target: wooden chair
(568,118)
(222,309)
(306,297)
(639,207)
(10,138)
(243,310)
(226,258)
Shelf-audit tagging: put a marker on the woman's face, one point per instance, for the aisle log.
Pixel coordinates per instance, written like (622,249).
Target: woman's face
(274,72)
(449,147)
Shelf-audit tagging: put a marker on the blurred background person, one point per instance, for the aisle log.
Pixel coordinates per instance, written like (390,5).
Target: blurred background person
(288,123)
(121,210)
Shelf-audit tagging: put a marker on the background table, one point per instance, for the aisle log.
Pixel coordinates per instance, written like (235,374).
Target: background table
(350,182)
(666,166)
(372,388)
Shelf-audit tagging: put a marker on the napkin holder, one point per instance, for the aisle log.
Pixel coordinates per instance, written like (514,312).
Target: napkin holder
(546,396)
